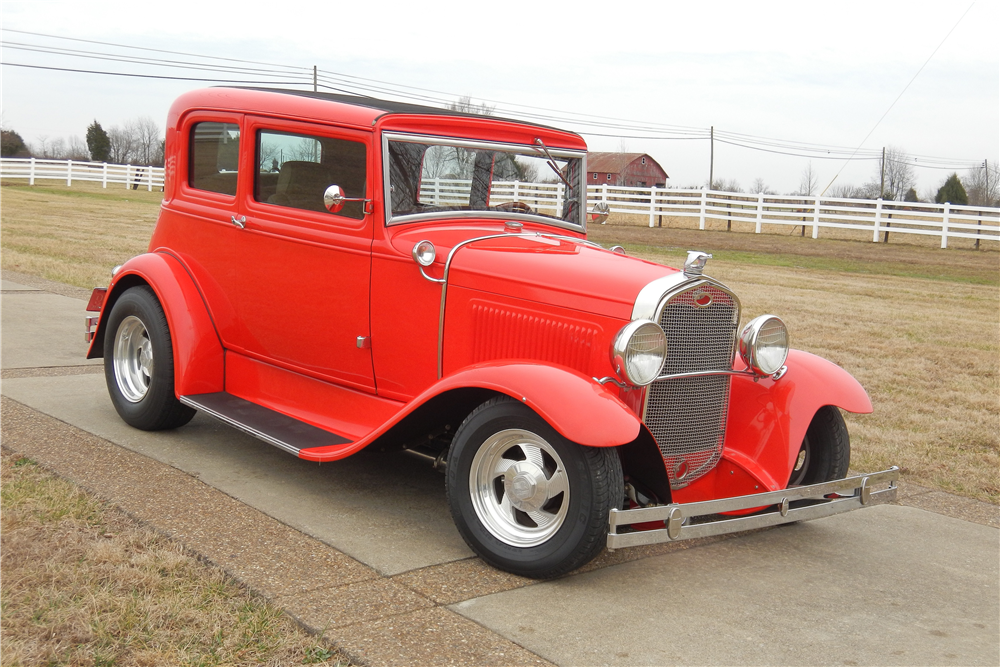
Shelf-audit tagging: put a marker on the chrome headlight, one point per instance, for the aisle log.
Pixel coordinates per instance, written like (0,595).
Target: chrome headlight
(638,352)
(764,344)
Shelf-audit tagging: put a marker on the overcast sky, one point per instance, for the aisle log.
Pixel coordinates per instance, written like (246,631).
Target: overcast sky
(802,72)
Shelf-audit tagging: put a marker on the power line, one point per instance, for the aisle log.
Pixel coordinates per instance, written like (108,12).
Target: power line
(585,124)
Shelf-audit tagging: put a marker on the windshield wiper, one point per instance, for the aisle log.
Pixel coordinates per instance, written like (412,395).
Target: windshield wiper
(551,162)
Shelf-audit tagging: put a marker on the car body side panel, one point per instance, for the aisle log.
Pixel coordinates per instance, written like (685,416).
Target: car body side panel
(198,355)
(768,420)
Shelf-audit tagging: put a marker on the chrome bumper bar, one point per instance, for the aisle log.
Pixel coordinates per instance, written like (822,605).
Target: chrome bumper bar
(800,503)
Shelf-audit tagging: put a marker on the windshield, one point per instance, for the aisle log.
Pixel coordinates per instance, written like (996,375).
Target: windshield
(438,177)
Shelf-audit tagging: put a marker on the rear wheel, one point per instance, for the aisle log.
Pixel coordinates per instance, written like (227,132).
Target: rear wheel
(826,450)
(526,499)
(139,363)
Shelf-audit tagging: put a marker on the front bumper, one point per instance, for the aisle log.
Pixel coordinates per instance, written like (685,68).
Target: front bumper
(690,520)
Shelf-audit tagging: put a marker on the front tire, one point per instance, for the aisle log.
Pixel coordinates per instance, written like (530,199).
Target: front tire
(825,454)
(526,499)
(139,363)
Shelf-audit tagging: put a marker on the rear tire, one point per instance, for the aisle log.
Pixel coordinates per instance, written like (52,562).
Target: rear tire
(526,499)
(825,454)
(139,363)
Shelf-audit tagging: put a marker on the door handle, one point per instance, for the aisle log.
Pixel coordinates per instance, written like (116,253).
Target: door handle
(241,222)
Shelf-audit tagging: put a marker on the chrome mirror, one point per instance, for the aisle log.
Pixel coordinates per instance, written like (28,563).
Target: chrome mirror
(334,200)
(599,214)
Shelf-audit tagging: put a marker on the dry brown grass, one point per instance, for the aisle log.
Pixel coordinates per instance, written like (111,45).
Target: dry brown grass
(74,235)
(742,225)
(83,584)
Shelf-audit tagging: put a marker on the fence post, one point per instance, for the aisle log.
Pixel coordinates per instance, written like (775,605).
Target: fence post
(31,173)
(652,204)
(760,212)
(69,173)
(128,175)
(704,201)
(878,219)
(944,224)
(149,178)
(816,220)
(104,176)
(516,193)
(559,199)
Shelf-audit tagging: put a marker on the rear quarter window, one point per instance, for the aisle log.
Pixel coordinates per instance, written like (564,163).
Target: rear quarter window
(214,157)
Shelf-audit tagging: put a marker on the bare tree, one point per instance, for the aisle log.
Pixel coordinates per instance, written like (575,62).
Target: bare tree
(122,149)
(760,187)
(466,105)
(809,181)
(146,136)
(77,149)
(983,185)
(898,172)
(722,185)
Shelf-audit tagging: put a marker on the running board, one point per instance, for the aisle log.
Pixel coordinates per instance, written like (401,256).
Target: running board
(282,431)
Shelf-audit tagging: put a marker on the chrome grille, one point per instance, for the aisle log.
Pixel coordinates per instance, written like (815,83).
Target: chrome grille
(687,416)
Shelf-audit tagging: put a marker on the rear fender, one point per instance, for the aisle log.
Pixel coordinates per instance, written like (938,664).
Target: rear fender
(198,355)
(768,418)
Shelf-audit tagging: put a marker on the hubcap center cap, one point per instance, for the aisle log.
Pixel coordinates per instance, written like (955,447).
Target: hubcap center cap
(526,487)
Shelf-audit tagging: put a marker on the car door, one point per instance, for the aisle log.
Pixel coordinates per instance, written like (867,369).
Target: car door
(305,272)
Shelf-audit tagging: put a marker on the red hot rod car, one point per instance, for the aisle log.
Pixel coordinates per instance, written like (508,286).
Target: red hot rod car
(328,272)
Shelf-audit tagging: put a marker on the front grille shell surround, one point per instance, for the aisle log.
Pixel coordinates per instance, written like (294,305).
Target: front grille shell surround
(687,416)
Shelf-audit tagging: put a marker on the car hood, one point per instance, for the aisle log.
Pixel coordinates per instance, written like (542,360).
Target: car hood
(558,271)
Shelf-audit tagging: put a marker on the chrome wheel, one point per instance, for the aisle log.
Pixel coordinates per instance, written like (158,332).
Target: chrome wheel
(133,359)
(519,488)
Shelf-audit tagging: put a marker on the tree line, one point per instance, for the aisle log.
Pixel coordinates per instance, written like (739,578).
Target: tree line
(137,141)
(894,179)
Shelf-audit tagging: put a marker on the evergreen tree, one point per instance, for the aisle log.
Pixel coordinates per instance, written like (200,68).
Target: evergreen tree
(911,195)
(952,191)
(12,145)
(98,142)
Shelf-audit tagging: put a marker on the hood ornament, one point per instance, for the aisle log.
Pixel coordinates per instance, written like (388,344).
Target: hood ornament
(695,263)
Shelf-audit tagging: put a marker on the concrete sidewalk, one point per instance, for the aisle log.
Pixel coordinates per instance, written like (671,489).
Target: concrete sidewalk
(365,548)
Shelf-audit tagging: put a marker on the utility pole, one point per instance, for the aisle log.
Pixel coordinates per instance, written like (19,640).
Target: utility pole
(881,188)
(314,79)
(711,157)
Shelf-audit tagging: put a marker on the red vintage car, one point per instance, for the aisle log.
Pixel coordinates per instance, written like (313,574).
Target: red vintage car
(329,272)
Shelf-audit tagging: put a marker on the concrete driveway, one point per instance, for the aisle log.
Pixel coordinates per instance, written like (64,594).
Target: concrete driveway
(370,553)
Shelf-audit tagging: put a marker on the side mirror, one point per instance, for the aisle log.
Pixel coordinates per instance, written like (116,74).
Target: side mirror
(599,214)
(334,198)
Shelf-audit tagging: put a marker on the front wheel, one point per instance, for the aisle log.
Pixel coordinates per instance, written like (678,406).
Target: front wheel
(526,499)
(825,453)
(139,363)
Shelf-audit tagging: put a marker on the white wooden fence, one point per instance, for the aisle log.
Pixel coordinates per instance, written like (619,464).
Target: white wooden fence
(877,217)
(131,176)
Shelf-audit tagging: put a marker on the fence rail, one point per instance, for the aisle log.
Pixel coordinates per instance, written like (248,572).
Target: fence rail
(878,217)
(131,176)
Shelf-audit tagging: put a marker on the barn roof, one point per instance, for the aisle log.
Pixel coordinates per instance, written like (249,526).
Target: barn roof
(615,163)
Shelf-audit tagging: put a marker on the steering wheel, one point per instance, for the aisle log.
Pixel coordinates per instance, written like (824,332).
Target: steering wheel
(514,207)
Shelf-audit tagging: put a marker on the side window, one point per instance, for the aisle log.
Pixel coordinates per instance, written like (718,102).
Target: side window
(215,156)
(294,170)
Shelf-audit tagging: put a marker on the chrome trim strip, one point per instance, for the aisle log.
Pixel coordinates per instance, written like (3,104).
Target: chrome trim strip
(697,374)
(280,444)
(527,149)
(651,295)
(674,515)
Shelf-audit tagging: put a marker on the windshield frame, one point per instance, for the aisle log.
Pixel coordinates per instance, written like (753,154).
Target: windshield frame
(527,149)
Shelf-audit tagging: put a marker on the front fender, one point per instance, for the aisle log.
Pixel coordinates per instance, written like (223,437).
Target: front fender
(575,405)
(768,419)
(198,355)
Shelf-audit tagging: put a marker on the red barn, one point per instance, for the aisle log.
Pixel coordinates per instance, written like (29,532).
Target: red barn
(625,169)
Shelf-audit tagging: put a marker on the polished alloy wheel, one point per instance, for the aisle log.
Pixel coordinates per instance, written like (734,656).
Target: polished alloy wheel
(519,488)
(133,359)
